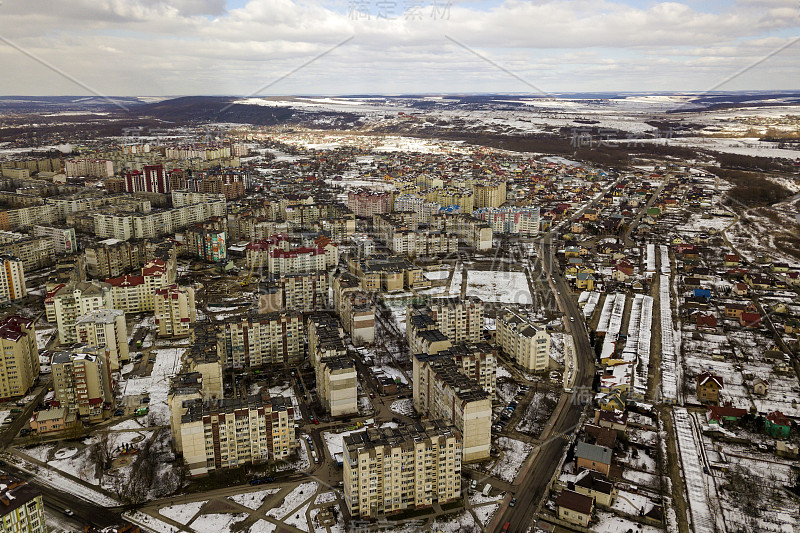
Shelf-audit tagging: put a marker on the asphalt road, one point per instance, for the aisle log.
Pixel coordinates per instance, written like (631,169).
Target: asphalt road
(532,488)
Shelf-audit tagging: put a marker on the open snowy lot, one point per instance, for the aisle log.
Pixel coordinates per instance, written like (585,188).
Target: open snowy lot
(499,287)
(514,454)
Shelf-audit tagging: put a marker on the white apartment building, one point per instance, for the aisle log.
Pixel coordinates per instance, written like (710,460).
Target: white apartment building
(423,243)
(125,226)
(12,279)
(459,319)
(511,220)
(64,241)
(528,344)
(105,328)
(394,469)
(270,338)
(82,382)
(89,168)
(74,300)
(19,357)
(233,432)
(136,294)
(297,260)
(174,311)
(442,391)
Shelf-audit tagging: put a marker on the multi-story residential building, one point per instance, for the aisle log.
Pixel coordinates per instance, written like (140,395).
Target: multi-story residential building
(337,385)
(325,338)
(25,217)
(365,203)
(34,252)
(63,239)
(264,339)
(21,507)
(459,319)
(306,293)
(233,432)
(125,226)
(12,279)
(19,364)
(105,328)
(388,273)
(207,244)
(390,470)
(257,252)
(511,220)
(151,179)
(136,294)
(111,258)
(358,317)
(302,259)
(489,194)
(423,243)
(186,198)
(174,311)
(470,230)
(89,168)
(441,390)
(76,299)
(82,382)
(477,361)
(526,343)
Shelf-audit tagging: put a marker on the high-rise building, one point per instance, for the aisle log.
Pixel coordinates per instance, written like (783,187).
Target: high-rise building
(12,279)
(305,292)
(174,311)
(105,328)
(19,364)
(442,390)
(82,382)
(233,432)
(395,469)
(21,507)
(263,339)
(337,385)
(76,299)
(526,343)
(64,241)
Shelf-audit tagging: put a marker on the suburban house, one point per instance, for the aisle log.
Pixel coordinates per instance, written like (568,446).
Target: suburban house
(760,386)
(720,414)
(706,321)
(52,420)
(593,457)
(777,425)
(597,486)
(708,387)
(574,507)
(750,320)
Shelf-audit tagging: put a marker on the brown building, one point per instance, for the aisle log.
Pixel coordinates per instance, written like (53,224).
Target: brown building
(708,387)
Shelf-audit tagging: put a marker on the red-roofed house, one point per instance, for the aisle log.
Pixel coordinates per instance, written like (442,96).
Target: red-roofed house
(777,425)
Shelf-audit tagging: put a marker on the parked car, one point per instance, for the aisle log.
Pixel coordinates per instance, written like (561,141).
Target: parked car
(513,502)
(119,412)
(68,512)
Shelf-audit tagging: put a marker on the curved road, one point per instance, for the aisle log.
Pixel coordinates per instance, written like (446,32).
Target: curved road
(532,489)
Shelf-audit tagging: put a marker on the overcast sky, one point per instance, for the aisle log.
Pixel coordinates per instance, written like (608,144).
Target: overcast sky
(179,47)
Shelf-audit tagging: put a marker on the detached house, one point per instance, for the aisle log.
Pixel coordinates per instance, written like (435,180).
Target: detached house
(574,507)
(708,387)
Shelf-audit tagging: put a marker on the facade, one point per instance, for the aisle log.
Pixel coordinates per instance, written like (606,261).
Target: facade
(520,339)
(34,252)
(708,387)
(64,241)
(511,220)
(82,383)
(296,260)
(105,328)
(489,194)
(390,470)
(136,294)
(358,317)
(365,203)
(459,319)
(174,311)
(21,507)
(337,385)
(325,338)
(12,279)
(19,364)
(207,244)
(74,300)
(89,168)
(441,390)
(306,292)
(574,507)
(264,339)
(234,432)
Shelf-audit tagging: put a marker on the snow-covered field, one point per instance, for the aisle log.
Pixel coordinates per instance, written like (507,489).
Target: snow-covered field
(253,500)
(500,287)
(514,454)
(294,499)
(217,522)
(167,364)
(183,512)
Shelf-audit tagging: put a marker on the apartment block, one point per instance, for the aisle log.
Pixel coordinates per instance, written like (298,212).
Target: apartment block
(264,339)
(111,258)
(305,292)
(296,260)
(174,311)
(471,231)
(136,294)
(66,303)
(526,343)
(388,273)
(21,507)
(511,220)
(395,469)
(25,217)
(12,279)
(423,243)
(489,194)
(64,241)
(126,225)
(337,385)
(441,390)
(19,365)
(89,168)
(233,432)
(105,328)
(82,382)
(365,203)
(207,244)
(459,319)
(34,252)
(151,178)
(477,361)
(325,338)
(358,317)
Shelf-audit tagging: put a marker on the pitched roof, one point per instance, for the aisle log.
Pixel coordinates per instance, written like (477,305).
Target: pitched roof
(706,377)
(575,501)
(593,452)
